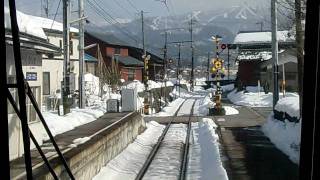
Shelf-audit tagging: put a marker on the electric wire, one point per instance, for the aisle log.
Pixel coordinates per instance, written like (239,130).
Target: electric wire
(55,15)
(103,14)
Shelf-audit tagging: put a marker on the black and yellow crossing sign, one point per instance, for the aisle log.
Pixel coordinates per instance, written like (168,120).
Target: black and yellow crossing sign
(217,69)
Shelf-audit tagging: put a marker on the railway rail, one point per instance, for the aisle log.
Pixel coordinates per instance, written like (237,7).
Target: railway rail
(185,151)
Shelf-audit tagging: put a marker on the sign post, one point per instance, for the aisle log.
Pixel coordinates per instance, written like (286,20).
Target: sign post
(217,73)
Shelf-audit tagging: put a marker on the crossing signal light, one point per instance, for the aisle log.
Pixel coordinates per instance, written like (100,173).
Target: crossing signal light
(213,69)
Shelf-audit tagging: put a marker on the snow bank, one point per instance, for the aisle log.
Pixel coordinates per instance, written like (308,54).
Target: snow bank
(254,98)
(91,84)
(285,136)
(127,164)
(290,105)
(151,85)
(201,107)
(204,158)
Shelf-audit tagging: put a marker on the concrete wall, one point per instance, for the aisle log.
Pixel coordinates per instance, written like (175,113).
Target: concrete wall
(87,159)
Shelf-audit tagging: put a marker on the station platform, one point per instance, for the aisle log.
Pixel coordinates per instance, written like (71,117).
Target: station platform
(95,131)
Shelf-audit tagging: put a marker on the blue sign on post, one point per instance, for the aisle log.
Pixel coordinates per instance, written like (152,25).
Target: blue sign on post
(31,76)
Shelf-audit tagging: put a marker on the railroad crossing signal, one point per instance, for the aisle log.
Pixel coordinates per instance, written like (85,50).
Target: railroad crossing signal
(218,64)
(223,46)
(146,63)
(217,69)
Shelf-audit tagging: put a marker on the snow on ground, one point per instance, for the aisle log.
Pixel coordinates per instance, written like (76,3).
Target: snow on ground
(201,81)
(254,98)
(167,161)
(285,135)
(127,164)
(228,87)
(186,108)
(79,141)
(230,110)
(60,124)
(204,155)
(151,85)
(224,88)
(201,107)
(204,162)
(171,108)
(182,93)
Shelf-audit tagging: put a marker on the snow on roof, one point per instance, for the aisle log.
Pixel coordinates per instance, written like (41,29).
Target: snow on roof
(263,55)
(46,23)
(25,24)
(33,25)
(261,37)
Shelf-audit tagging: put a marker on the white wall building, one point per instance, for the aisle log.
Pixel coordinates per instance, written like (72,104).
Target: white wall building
(34,45)
(53,66)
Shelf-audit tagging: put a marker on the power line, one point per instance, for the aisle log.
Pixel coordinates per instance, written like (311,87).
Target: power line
(132,5)
(55,15)
(125,9)
(112,21)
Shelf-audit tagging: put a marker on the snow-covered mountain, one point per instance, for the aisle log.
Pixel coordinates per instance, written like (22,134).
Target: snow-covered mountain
(225,22)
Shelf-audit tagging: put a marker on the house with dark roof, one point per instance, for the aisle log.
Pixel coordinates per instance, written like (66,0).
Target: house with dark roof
(254,52)
(129,58)
(288,70)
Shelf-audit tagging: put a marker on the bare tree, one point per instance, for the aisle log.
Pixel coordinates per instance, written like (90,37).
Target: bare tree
(109,75)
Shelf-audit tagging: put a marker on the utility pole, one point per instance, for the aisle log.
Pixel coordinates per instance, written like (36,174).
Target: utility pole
(178,67)
(145,69)
(261,25)
(179,64)
(192,53)
(228,65)
(66,55)
(81,55)
(46,8)
(208,66)
(165,65)
(274,52)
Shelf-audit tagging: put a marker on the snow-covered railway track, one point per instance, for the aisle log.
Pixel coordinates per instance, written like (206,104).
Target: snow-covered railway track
(171,149)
